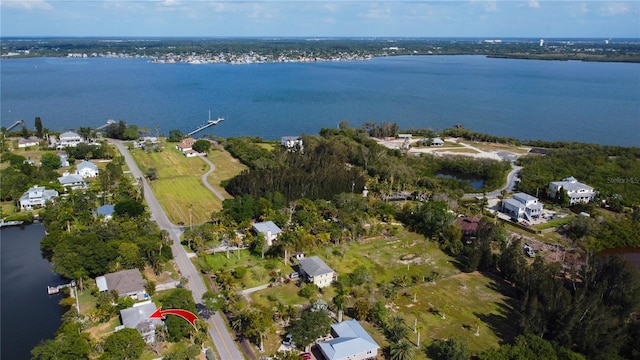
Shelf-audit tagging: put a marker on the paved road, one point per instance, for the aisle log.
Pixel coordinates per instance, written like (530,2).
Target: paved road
(512,178)
(218,331)
(205,175)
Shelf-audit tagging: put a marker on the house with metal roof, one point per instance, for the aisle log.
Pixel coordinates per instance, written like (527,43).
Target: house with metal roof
(24,143)
(87,169)
(316,271)
(269,229)
(350,342)
(69,138)
(125,283)
(522,205)
(37,196)
(137,317)
(105,211)
(576,191)
(72,181)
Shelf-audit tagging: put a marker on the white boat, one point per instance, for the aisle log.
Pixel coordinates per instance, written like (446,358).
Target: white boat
(10,223)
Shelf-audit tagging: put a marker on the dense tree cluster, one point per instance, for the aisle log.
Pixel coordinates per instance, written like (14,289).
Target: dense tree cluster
(20,176)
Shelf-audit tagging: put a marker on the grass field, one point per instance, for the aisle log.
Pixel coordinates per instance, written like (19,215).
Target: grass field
(179,185)
(226,168)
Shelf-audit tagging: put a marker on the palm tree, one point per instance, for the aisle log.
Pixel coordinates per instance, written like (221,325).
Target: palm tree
(395,329)
(401,350)
(419,329)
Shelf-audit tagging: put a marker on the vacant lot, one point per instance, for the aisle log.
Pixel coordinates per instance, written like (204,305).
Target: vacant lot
(179,187)
(226,167)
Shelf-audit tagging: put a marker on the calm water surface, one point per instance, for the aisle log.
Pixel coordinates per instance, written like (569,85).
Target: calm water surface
(28,315)
(527,99)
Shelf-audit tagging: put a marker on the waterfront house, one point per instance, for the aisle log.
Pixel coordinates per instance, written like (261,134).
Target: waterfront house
(72,181)
(269,229)
(87,169)
(125,283)
(24,143)
(576,191)
(292,142)
(522,206)
(350,342)
(186,144)
(69,138)
(316,271)
(37,196)
(137,317)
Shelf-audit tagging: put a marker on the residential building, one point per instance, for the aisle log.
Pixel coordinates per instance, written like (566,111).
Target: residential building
(105,211)
(350,342)
(24,143)
(292,142)
(522,205)
(37,196)
(125,283)
(437,142)
(468,225)
(186,144)
(87,169)
(316,271)
(72,181)
(69,138)
(269,229)
(576,191)
(137,317)
(64,161)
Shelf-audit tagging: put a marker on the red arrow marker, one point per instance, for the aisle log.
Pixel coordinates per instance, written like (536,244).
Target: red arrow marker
(187,315)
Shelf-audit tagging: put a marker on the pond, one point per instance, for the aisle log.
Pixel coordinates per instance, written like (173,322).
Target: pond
(476,182)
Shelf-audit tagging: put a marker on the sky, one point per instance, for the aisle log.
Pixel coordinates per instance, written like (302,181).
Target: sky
(316,18)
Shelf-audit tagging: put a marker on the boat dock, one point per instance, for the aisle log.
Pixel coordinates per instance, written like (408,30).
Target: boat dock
(208,124)
(52,290)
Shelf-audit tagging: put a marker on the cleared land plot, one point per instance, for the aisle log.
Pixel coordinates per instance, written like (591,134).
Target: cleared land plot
(179,185)
(226,168)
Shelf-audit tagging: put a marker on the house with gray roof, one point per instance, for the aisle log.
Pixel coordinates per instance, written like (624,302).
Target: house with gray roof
(32,141)
(522,206)
(350,342)
(269,229)
(37,196)
(72,181)
(576,191)
(105,211)
(316,271)
(125,283)
(87,169)
(137,317)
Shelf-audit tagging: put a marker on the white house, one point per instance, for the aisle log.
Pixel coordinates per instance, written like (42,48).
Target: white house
(577,192)
(437,142)
(316,271)
(522,205)
(186,144)
(350,342)
(291,142)
(24,143)
(37,196)
(269,229)
(72,181)
(69,138)
(137,317)
(87,169)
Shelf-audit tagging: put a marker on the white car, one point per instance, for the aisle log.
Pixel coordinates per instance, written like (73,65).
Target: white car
(529,251)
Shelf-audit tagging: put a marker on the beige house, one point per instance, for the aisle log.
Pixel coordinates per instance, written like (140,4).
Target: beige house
(316,271)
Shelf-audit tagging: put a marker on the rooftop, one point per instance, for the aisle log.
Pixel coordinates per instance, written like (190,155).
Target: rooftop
(126,281)
(314,266)
(267,226)
(352,339)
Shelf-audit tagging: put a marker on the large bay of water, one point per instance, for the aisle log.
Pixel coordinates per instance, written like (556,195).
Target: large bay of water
(526,99)
(28,314)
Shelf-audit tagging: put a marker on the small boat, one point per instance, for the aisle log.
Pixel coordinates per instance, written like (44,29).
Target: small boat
(10,223)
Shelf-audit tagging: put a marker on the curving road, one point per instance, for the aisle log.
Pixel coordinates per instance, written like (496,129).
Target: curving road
(222,338)
(512,178)
(205,175)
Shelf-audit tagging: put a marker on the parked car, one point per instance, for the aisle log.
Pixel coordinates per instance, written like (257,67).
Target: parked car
(288,340)
(294,275)
(529,251)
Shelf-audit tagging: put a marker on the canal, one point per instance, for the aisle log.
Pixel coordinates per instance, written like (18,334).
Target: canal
(28,315)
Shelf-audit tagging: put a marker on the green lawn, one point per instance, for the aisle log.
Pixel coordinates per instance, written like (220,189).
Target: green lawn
(179,185)
(554,223)
(226,168)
